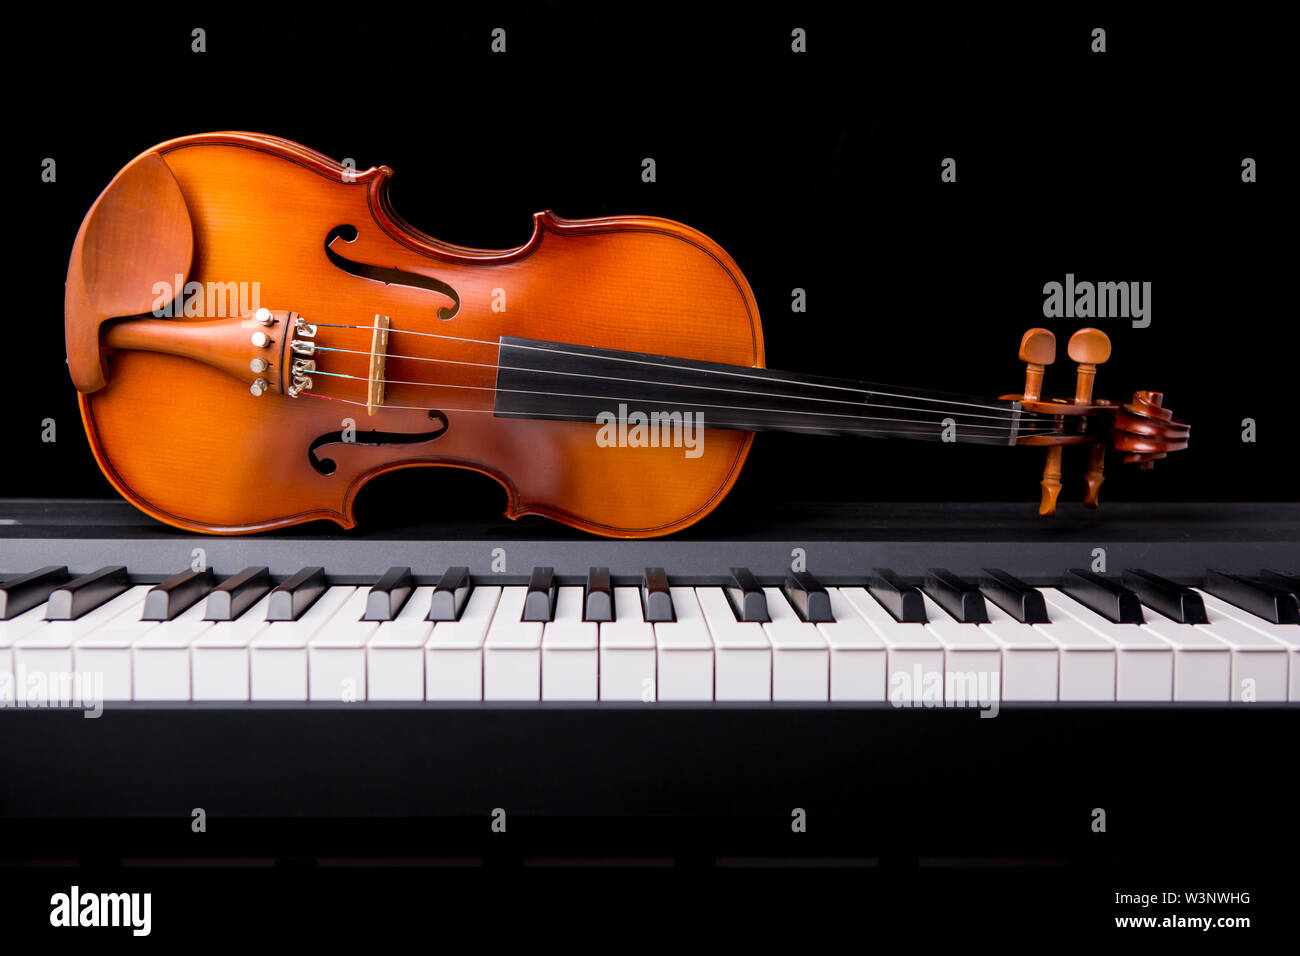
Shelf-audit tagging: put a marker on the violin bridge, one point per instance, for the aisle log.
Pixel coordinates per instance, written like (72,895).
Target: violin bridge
(378,358)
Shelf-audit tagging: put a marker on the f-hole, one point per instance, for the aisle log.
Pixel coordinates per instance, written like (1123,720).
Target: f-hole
(411,280)
(327,466)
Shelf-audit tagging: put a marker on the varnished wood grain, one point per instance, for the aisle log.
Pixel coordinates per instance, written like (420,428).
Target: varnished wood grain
(189,444)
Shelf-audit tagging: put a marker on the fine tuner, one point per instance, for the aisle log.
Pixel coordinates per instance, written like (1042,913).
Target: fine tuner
(631,327)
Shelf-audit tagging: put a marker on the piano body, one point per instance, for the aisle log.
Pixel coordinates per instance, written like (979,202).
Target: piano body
(953,679)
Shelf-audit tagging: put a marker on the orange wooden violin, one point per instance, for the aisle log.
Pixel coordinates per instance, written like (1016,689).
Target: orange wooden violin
(255,333)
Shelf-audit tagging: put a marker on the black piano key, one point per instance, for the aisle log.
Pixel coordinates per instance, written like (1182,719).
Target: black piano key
(389,595)
(1022,601)
(961,599)
(1253,595)
(450,595)
(539,602)
(235,595)
(598,597)
(1283,580)
(71,600)
(656,599)
(291,599)
(1104,595)
(808,598)
(747,598)
(176,594)
(1160,594)
(26,591)
(899,598)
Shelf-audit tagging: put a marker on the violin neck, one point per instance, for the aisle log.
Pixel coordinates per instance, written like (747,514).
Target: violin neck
(559,382)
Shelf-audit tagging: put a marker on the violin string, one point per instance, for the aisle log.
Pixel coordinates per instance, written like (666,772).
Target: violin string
(618,398)
(737,372)
(809,429)
(1005,416)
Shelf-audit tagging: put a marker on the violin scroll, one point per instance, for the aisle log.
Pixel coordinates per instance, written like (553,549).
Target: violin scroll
(1146,432)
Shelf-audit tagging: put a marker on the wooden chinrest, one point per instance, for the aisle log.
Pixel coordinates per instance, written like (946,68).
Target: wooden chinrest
(137,234)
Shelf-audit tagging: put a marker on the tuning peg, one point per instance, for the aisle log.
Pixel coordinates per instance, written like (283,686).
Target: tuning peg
(1095,475)
(1090,348)
(1051,480)
(1037,350)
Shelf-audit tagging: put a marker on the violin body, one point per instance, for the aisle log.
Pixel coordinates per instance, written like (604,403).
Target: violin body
(189,444)
(255,333)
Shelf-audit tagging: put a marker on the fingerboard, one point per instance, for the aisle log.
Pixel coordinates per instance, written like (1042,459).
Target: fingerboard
(559,382)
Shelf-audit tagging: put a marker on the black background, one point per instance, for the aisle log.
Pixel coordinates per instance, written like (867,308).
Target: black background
(818,171)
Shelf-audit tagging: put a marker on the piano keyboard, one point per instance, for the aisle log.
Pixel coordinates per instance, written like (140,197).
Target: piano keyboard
(941,640)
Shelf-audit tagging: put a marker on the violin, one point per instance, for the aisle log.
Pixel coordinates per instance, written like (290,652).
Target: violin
(254,334)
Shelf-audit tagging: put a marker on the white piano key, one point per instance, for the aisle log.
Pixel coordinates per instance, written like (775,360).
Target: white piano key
(10,631)
(858,657)
(43,657)
(277,659)
(570,648)
(160,659)
(1255,662)
(107,650)
(395,652)
(1285,635)
(742,653)
(685,663)
(972,659)
(1144,663)
(336,654)
(512,651)
(219,656)
(453,657)
(915,656)
(1201,673)
(685,649)
(1030,661)
(800,654)
(1087,660)
(627,651)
